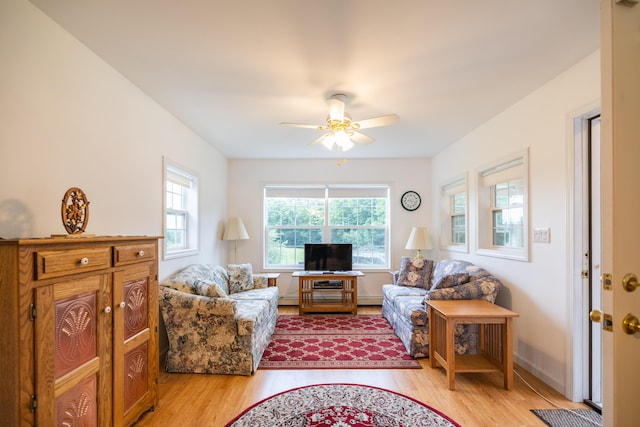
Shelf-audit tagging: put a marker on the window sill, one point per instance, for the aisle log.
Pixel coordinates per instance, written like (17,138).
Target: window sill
(506,254)
(180,254)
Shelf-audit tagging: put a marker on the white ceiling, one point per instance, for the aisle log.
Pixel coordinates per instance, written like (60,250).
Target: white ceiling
(232,70)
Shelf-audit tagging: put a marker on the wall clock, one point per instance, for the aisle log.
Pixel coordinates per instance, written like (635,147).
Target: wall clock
(410,200)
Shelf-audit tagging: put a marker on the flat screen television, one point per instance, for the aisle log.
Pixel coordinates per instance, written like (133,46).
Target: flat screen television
(328,257)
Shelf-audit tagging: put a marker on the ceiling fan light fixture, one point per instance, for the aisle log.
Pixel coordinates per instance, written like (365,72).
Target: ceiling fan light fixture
(328,141)
(343,141)
(341,129)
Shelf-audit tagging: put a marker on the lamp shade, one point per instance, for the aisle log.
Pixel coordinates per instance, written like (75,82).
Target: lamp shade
(418,240)
(235,230)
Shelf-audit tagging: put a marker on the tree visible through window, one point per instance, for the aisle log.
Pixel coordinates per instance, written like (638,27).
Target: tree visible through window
(332,214)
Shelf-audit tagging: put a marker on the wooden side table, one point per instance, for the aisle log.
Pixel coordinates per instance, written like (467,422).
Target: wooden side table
(272,278)
(495,348)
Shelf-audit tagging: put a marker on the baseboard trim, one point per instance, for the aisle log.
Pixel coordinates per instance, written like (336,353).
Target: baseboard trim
(363,300)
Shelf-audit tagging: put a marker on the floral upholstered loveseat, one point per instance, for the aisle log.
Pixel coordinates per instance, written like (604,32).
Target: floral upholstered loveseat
(218,320)
(403,303)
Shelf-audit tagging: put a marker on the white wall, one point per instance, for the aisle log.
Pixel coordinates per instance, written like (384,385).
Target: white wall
(538,290)
(246,180)
(67,119)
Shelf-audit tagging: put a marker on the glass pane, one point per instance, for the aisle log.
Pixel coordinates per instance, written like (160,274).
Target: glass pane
(357,211)
(508,228)
(458,229)
(286,245)
(501,195)
(459,202)
(288,211)
(368,244)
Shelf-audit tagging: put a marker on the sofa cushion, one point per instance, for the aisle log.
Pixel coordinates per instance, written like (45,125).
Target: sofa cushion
(269,294)
(484,288)
(450,280)
(415,272)
(199,279)
(260,281)
(240,277)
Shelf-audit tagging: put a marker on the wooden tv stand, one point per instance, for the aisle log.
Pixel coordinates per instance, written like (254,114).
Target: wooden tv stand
(321,292)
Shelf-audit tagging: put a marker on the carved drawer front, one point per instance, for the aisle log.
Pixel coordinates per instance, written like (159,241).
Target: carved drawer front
(129,254)
(79,405)
(136,298)
(136,379)
(57,263)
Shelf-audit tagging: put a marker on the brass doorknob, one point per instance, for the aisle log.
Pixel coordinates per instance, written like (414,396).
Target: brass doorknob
(595,316)
(630,282)
(630,324)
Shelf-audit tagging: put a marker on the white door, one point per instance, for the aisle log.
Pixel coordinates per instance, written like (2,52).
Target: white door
(620,154)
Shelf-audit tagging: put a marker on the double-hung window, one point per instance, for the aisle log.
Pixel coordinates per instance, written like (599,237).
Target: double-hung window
(180,212)
(295,215)
(453,203)
(502,209)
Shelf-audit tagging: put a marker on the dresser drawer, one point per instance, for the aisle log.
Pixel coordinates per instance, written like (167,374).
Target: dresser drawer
(129,254)
(56,263)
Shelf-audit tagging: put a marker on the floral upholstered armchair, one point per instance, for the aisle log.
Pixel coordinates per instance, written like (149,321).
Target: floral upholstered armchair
(218,320)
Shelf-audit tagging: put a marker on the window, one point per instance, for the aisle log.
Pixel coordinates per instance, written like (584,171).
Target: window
(453,205)
(507,213)
(295,215)
(502,209)
(180,212)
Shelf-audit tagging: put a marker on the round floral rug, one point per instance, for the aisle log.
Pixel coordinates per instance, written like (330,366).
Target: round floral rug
(340,405)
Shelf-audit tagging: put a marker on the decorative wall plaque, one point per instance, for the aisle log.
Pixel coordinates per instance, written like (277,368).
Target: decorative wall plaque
(75,211)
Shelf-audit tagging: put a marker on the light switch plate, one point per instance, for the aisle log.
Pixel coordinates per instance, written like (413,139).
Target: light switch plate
(541,235)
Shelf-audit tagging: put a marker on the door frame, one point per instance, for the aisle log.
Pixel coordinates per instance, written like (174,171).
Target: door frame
(578,340)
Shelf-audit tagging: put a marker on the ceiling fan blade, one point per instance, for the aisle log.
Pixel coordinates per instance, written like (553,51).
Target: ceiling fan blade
(376,121)
(319,140)
(361,138)
(328,140)
(336,107)
(305,126)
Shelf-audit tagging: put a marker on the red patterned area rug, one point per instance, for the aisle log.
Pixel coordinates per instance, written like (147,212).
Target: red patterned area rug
(335,341)
(341,405)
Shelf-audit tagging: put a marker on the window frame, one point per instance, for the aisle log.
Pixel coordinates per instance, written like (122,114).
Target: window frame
(507,170)
(190,209)
(329,192)
(448,190)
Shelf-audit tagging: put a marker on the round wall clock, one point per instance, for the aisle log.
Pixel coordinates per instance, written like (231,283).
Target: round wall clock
(410,200)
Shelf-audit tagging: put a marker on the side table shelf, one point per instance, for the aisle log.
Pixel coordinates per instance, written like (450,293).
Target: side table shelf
(341,290)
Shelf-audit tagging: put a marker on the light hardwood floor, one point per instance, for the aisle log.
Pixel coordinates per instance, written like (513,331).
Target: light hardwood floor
(478,400)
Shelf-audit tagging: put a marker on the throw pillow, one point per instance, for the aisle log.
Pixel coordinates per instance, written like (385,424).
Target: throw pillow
(450,280)
(415,272)
(209,289)
(240,277)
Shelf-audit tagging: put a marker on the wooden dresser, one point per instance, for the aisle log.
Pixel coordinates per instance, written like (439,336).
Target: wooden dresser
(79,339)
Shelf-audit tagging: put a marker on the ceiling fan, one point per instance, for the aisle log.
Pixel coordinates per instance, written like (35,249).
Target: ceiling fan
(342,130)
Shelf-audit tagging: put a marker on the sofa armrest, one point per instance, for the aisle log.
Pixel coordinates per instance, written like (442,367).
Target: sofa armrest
(192,318)
(485,288)
(395,274)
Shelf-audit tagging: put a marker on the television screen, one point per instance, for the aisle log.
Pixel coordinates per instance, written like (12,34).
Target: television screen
(328,257)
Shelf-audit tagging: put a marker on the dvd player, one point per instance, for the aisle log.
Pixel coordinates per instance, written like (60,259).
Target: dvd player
(327,284)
